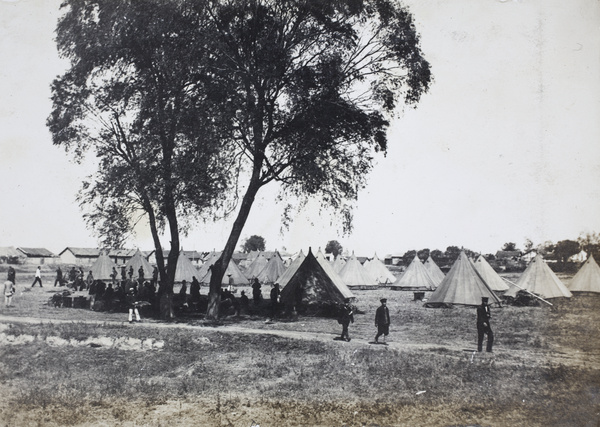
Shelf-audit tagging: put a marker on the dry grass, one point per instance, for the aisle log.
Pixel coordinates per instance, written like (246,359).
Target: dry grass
(545,372)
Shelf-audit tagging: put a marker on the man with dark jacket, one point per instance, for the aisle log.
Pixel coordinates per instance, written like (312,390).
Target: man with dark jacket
(346,316)
(382,320)
(483,325)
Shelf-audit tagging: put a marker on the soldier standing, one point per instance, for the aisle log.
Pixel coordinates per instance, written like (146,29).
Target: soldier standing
(483,325)
(382,320)
(346,316)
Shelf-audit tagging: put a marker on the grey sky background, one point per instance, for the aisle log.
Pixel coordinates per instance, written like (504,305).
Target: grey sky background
(505,146)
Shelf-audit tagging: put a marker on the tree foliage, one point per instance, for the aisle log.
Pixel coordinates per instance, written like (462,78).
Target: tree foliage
(334,247)
(509,246)
(566,249)
(590,243)
(254,243)
(136,94)
(314,84)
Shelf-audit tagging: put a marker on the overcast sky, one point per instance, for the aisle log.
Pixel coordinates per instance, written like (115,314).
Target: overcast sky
(504,147)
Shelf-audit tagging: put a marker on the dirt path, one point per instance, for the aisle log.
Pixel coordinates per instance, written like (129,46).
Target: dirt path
(499,357)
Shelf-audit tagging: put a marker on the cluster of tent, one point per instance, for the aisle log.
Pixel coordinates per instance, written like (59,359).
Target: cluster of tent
(314,280)
(467,282)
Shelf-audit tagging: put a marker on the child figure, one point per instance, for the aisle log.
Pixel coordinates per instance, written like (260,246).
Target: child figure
(132,303)
(9,291)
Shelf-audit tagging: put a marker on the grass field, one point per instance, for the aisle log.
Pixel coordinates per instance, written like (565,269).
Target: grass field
(63,366)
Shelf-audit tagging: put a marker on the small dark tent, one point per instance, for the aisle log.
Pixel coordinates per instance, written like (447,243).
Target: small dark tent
(311,290)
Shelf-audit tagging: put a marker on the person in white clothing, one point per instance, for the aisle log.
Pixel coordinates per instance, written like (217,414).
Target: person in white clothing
(38,277)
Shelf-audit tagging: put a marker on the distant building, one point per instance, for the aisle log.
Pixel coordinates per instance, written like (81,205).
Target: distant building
(580,257)
(10,255)
(79,256)
(508,255)
(528,255)
(392,259)
(121,256)
(194,257)
(37,255)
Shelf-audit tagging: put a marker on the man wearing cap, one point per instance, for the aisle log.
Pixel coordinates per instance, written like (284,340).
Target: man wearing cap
(382,320)
(483,325)
(346,316)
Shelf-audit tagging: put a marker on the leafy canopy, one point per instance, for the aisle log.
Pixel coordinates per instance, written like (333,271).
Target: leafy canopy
(136,94)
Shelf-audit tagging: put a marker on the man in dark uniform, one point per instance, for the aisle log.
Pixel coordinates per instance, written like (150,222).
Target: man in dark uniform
(382,320)
(59,277)
(483,325)
(256,293)
(346,316)
(11,274)
(274,300)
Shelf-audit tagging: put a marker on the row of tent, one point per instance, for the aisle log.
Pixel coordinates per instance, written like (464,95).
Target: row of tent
(467,282)
(313,278)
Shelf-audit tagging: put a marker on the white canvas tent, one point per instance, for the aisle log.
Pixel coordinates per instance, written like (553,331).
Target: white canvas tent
(415,278)
(102,268)
(490,276)
(463,285)
(137,261)
(539,279)
(338,263)
(185,270)
(434,271)
(379,271)
(355,276)
(233,272)
(272,271)
(587,278)
(257,265)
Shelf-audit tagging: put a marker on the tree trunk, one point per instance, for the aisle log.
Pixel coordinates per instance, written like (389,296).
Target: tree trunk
(219,268)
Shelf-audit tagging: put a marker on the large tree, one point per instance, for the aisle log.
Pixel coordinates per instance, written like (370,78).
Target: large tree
(137,93)
(315,84)
(334,247)
(254,243)
(565,249)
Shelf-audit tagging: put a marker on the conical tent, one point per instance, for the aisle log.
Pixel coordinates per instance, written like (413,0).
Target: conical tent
(185,270)
(233,272)
(137,261)
(587,278)
(490,276)
(434,271)
(415,277)
(540,280)
(273,270)
(335,277)
(256,266)
(354,275)
(463,285)
(310,285)
(379,271)
(102,268)
(338,263)
(210,260)
(291,270)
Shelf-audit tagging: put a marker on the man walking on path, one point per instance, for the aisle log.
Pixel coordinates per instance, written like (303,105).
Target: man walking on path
(483,326)
(382,320)
(346,317)
(38,277)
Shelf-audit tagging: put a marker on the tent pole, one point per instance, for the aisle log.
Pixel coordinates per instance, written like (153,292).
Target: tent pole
(530,293)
